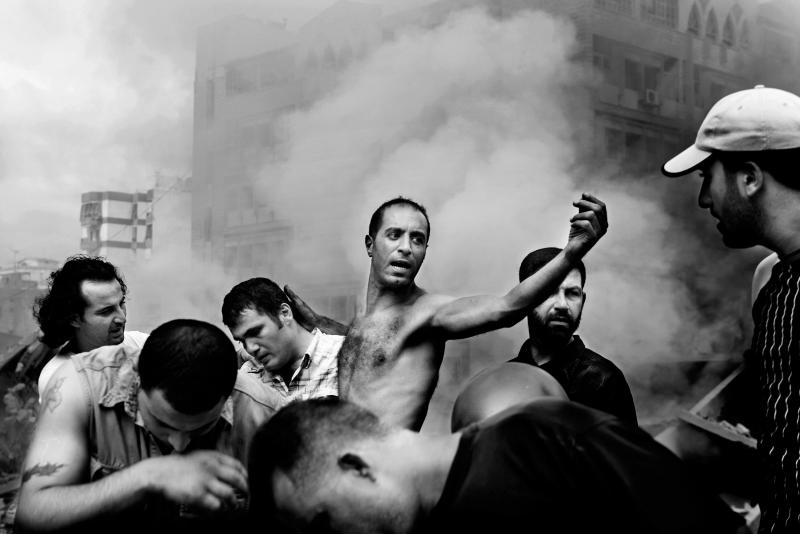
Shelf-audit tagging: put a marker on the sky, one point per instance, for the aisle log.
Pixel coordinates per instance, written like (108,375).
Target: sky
(98,95)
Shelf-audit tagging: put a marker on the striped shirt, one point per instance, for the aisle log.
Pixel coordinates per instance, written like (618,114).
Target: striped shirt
(776,349)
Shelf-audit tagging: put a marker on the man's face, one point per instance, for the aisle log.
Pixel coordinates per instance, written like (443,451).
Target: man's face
(265,340)
(736,216)
(557,318)
(172,427)
(103,320)
(346,502)
(398,248)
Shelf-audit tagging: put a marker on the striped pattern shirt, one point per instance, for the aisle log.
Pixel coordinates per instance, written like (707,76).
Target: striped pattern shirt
(776,349)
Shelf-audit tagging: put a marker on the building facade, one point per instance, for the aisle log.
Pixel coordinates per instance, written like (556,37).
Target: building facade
(116,225)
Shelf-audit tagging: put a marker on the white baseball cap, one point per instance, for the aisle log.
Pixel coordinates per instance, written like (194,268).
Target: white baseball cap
(752,120)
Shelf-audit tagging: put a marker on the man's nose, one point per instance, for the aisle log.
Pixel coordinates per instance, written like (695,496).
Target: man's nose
(404,244)
(250,347)
(179,441)
(561,300)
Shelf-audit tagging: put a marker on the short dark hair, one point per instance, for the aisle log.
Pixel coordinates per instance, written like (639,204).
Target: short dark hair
(192,362)
(539,258)
(299,440)
(377,218)
(259,294)
(64,302)
(783,165)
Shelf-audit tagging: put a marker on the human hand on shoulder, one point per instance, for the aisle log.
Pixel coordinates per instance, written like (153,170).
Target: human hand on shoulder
(587,226)
(308,318)
(203,481)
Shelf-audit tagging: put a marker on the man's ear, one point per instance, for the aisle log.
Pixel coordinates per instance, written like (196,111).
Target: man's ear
(353,462)
(285,315)
(75,322)
(750,178)
(368,242)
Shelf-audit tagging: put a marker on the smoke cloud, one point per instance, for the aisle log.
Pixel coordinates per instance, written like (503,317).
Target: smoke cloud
(480,119)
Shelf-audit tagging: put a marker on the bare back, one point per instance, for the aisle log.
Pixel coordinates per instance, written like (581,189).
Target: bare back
(389,362)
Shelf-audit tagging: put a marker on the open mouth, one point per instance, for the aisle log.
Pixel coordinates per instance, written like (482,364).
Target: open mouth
(401,264)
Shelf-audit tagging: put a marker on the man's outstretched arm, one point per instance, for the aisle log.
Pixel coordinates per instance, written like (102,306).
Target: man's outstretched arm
(469,316)
(55,492)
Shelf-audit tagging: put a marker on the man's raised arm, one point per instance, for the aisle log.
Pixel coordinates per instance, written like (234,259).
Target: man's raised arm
(56,494)
(469,316)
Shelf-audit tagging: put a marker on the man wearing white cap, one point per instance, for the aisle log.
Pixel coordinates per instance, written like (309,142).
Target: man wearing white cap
(747,152)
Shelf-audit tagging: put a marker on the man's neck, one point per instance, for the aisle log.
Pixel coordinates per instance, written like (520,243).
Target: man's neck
(428,459)
(543,351)
(381,296)
(781,224)
(299,347)
(77,346)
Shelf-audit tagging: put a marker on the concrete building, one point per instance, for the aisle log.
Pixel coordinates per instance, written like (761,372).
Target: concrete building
(116,225)
(121,226)
(20,285)
(250,73)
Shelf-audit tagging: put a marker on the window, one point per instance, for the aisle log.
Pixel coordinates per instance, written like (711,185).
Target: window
(614,142)
(697,93)
(601,56)
(651,78)
(712,28)
(694,21)
(210,99)
(718,90)
(240,78)
(745,35)
(727,32)
(616,6)
(633,75)
(229,258)
(663,12)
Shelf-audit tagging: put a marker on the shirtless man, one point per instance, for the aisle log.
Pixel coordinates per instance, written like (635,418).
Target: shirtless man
(389,362)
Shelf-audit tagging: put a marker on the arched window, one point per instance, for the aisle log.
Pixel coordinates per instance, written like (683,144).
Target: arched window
(712,28)
(694,21)
(728,37)
(745,41)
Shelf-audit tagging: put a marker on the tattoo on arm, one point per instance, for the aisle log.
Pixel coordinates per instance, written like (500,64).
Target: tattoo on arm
(40,470)
(52,397)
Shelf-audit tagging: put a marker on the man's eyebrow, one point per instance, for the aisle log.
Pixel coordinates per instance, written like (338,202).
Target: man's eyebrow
(167,425)
(251,331)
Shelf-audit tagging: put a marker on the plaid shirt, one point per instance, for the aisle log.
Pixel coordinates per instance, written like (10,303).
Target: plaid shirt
(258,394)
(317,375)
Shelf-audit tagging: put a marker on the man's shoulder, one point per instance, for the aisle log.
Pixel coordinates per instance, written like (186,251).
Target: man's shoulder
(250,386)
(108,356)
(592,362)
(329,342)
(135,339)
(555,415)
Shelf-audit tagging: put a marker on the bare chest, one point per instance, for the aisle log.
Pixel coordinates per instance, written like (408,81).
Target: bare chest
(373,342)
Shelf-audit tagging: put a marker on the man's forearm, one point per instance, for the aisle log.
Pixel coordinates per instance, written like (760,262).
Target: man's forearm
(58,507)
(537,287)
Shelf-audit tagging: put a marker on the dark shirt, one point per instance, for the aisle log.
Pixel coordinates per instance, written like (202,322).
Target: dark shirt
(588,378)
(776,351)
(554,466)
